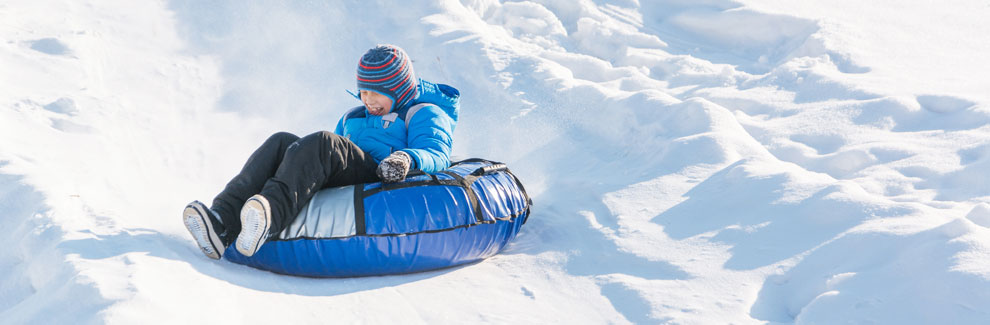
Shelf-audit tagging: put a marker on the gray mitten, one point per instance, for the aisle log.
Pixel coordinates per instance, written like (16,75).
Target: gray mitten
(394,167)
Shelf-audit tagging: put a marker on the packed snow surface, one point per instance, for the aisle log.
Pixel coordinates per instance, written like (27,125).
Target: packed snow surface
(692,162)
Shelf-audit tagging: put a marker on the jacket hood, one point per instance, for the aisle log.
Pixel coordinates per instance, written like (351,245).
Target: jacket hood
(444,96)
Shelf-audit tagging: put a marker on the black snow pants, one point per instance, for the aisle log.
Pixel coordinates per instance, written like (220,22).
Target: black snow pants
(288,170)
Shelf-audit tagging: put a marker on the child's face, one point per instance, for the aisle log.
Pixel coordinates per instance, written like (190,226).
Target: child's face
(377,104)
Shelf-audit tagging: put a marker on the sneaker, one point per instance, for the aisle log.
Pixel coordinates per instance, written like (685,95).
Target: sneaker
(256,220)
(206,228)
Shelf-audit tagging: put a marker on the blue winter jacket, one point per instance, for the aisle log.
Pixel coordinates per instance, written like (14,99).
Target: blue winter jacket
(427,135)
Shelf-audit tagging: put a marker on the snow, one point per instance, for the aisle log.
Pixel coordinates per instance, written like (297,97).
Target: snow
(718,161)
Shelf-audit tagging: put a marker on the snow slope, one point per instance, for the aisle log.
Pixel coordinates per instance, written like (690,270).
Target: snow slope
(754,161)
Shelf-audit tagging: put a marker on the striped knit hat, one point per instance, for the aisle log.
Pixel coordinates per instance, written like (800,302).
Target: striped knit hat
(387,70)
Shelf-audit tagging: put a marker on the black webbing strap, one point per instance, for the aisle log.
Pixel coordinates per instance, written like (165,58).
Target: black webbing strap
(494,166)
(395,186)
(497,167)
(529,200)
(359,226)
(466,182)
(471,160)
(415,172)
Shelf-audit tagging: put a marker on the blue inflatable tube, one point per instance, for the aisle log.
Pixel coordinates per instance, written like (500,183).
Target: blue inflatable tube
(463,214)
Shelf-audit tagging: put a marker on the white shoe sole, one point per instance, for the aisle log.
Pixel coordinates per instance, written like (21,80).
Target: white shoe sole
(196,219)
(256,219)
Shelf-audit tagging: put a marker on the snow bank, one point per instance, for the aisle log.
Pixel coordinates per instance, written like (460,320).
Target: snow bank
(691,161)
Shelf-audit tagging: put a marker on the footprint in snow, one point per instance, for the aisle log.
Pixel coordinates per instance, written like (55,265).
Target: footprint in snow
(50,46)
(62,106)
(66,107)
(528,293)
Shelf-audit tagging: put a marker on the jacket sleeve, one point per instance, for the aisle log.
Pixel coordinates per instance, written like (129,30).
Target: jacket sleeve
(430,139)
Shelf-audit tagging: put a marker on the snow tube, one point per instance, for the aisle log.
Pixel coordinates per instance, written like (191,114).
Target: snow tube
(463,214)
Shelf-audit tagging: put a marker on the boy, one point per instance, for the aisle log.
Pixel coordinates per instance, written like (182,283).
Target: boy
(405,123)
